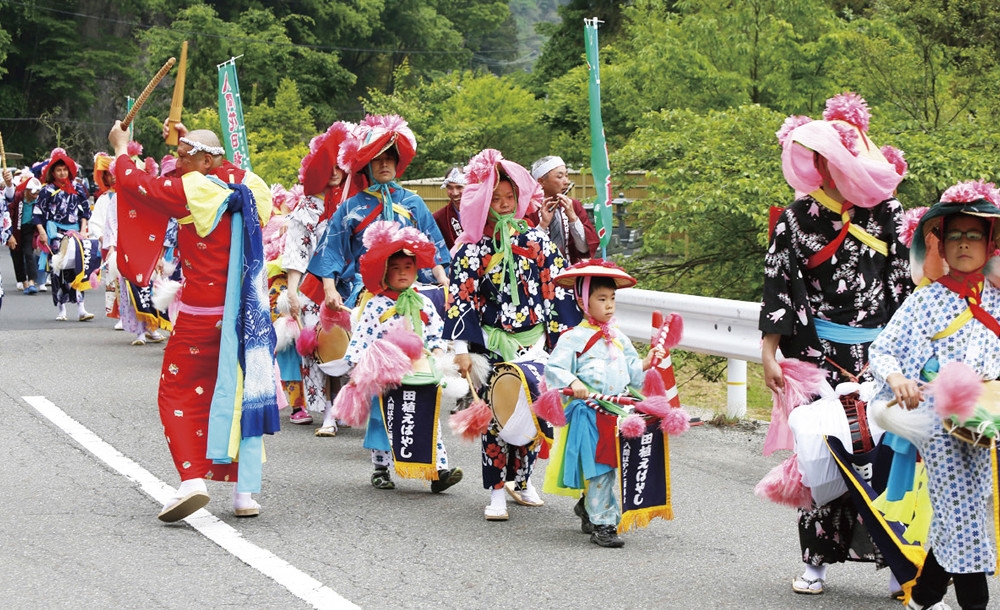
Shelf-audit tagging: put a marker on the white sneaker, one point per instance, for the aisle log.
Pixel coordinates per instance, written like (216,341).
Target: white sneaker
(20,285)
(119,326)
(43,288)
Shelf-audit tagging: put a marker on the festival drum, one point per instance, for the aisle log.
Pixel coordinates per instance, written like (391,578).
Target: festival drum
(331,344)
(513,389)
(983,427)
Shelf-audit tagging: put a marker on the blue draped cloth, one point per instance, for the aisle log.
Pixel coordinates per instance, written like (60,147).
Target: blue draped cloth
(247,351)
(581,446)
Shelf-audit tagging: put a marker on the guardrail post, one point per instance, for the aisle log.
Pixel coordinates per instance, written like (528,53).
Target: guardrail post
(736,394)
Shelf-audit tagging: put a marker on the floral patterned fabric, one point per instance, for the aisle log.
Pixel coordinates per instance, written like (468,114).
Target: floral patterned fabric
(855,287)
(368,327)
(478,298)
(341,245)
(303,229)
(959,474)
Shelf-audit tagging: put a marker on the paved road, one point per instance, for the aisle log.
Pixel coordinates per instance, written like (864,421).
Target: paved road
(75,532)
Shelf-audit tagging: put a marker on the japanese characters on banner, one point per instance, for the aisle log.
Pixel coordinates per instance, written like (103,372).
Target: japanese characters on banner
(234,133)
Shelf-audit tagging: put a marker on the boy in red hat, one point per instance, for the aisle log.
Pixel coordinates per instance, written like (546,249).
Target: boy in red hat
(389,269)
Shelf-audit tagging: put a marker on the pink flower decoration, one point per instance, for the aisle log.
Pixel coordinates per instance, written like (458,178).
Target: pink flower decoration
(482,166)
(134,148)
(849,107)
(848,137)
(971,190)
(957,388)
(789,125)
(380,231)
(895,156)
(908,224)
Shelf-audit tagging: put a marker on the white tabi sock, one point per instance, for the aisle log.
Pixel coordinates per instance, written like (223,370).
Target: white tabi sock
(243,500)
(813,572)
(186,487)
(498,499)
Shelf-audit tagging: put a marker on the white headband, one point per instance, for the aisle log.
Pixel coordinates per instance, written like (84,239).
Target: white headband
(544,168)
(196,147)
(34,185)
(455,176)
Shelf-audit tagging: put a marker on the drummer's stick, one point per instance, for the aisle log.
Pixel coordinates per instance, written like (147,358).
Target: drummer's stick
(3,155)
(618,400)
(145,92)
(177,102)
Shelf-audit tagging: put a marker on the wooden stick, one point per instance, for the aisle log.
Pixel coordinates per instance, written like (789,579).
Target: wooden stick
(3,155)
(145,92)
(177,102)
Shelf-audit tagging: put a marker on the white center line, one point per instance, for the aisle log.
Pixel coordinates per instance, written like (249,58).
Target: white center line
(297,582)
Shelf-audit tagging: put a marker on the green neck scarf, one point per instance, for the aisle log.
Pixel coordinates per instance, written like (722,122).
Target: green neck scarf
(409,305)
(506,226)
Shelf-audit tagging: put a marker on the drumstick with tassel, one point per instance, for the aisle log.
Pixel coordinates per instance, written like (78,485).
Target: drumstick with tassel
(145,92)
(472,422)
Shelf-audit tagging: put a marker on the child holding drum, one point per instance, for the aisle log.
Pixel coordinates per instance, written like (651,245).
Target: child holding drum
(389,269)
(594,357)
(952,318)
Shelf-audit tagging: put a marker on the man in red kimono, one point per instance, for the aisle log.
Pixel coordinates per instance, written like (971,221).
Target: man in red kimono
(191,369)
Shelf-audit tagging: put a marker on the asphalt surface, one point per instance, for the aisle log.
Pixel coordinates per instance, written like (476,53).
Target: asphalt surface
(75,533)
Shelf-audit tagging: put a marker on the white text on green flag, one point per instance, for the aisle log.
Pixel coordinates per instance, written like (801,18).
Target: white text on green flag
(234,133)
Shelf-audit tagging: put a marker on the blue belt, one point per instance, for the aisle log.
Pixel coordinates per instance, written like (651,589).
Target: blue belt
(840,333)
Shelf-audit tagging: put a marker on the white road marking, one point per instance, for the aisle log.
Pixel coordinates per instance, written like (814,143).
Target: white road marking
(297,582)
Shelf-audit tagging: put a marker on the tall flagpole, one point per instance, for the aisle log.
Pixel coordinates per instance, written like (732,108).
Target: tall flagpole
(599,166)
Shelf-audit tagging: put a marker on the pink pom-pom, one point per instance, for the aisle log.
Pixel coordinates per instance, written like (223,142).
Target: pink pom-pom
(62,151)
(956,390)
(789,125)
(675,329)
(908,224)
(380,232)
(328,318)
(849,107)
(305,345)
(482,166)
(549,407)
(895,156)
(675,422)
(848,137)
(348,151)
(95,278)
(352,405)
(152,167)
(802,381)
(783,485)
(407,341)
(658,406)
(383,365)
(971,190)
(633,426)
(412,234)
(652,383)
(134,148)
(469,424)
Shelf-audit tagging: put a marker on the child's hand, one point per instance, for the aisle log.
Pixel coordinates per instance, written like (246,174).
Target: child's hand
(579,389)
(658,353)
(906,391)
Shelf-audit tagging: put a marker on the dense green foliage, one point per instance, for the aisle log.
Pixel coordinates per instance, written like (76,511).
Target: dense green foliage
(693,92)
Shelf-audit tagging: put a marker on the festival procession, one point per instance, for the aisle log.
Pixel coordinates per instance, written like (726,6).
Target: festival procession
(485,330)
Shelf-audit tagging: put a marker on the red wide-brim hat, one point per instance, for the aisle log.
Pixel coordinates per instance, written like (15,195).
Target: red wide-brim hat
(595,267)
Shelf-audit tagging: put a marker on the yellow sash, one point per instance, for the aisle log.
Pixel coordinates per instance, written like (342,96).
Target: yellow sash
(863,236)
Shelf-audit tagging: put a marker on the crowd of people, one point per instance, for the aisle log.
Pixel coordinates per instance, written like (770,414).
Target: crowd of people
(372,298)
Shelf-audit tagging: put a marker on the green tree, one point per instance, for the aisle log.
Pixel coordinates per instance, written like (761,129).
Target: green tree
(713,178)
(278,135)
(457,115)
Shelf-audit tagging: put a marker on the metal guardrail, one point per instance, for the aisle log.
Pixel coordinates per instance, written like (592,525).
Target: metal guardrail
(720,327)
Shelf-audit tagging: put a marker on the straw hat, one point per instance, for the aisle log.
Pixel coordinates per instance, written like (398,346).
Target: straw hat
(594,267)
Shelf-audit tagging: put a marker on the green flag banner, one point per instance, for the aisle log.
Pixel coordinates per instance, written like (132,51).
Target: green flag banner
(599,166)
(129,102)
(234,133)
